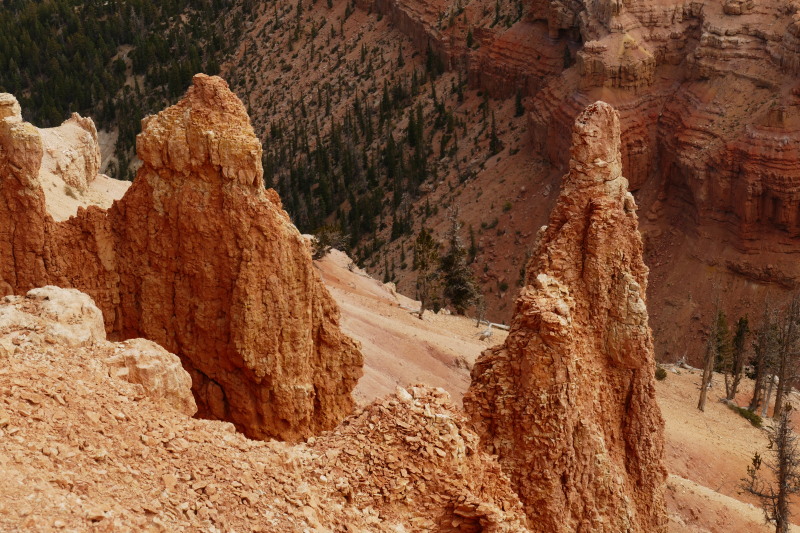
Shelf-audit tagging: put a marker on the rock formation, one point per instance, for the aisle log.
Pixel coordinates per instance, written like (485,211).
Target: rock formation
(158,372)
(82,451)
(707,95)
(198,258)
(51,319)
(568,401)
(71,151)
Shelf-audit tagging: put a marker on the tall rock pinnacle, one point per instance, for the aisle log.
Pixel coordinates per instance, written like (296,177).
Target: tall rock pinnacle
(568,402)
(198,258)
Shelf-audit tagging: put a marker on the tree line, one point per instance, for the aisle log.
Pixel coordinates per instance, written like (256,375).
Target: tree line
(769,354)
(62,56)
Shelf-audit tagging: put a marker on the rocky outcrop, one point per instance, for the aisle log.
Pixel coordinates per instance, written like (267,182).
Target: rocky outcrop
(71,152)
(50,316)
(568,401)
(158,372)
(414,449)
(198,258)
(112,458)
(50,319)
(524,58)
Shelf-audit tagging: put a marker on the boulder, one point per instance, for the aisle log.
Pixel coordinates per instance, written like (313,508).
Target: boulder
(159,372)
(71,152)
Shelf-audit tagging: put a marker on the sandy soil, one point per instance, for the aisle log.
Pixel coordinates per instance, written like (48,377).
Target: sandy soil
(707,453)
(398,348)
(63,201)
(107,140)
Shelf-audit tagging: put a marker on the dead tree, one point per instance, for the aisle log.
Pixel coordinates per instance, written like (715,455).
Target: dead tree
(775,494)
(712,351)
(788,341)
(738,356)
(426,261)
(480,310)
(763,353)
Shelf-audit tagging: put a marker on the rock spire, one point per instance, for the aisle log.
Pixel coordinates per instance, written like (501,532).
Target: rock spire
(196,257)
(568,402)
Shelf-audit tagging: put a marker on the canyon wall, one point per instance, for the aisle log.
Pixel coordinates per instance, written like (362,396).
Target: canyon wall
(568,401)
(706,92)
(197,257)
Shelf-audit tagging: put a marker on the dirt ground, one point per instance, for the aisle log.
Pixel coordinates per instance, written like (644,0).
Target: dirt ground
(398,348)
(707,452)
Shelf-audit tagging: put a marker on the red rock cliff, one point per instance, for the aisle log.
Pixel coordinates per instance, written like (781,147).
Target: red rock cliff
(199,258)
(568,402)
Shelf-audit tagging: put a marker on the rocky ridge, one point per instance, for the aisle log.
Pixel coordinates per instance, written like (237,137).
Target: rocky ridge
(81,449)
(50,319)
(217,275)
(568,401)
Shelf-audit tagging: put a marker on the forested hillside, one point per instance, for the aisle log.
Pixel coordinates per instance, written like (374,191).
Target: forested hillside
(112,60)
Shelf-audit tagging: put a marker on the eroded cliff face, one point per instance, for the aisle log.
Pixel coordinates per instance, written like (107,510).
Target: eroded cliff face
(199,258)
(706,93)
(568,401)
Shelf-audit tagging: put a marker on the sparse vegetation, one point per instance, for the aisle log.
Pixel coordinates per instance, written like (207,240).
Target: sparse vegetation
(661,373)
(753,418)
(325,239)
(782,482)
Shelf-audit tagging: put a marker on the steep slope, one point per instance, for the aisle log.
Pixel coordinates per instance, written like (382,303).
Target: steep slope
(568,401)
(199,258)
(85,451)
(399,348)
(708,111)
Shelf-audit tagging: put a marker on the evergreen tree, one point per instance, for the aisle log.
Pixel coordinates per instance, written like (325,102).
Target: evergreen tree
(519,109)
(460,286)
(426,263)
(495,146)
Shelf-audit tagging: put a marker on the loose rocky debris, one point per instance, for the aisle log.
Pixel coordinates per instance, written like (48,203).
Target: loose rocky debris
(81,450)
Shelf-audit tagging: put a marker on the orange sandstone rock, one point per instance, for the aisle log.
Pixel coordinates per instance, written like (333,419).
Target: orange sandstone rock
(198,258)
(568,402)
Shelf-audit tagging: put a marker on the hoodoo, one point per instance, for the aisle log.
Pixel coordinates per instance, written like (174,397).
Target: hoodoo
(568,401)
(197,257)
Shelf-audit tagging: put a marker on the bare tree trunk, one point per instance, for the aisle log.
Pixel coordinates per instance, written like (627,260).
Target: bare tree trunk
(788,340)
(758,387)
(711,354)
(769,395)
(738,370)
(708,371)
(784,468)
(763,347)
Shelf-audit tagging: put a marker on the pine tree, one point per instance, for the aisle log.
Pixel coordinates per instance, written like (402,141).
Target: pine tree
(460,286)
(426,263)
(495,146)
(519,109)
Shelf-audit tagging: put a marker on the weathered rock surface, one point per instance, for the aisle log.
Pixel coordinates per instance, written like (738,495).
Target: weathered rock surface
(159,372)
(198,258)
(81,451)
(71,152)
(50,319)
(706,92)
(568,401)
